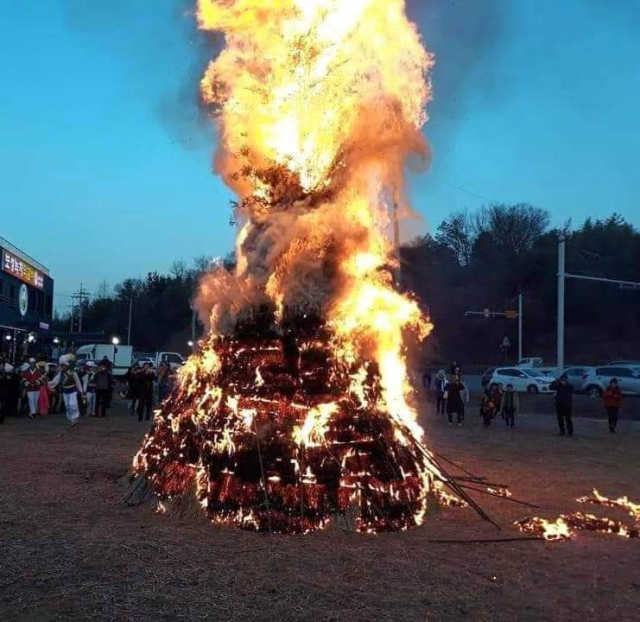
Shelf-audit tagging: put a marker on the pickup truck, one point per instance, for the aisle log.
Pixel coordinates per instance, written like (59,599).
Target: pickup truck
(537,363)
(174,359)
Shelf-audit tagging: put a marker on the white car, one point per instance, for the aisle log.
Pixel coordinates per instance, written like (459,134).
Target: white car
(598,380)
(523,379)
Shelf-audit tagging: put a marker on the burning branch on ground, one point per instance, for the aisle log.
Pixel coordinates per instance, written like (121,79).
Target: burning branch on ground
(566,525)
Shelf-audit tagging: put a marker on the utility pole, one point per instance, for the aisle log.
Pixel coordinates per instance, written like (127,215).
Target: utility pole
(563,275)
(396,236)
(130,318)
(520,323)
(562,256)
(82,296)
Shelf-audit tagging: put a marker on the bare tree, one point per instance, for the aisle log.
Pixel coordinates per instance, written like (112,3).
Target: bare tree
(103,291)
(457,233)
(179,269)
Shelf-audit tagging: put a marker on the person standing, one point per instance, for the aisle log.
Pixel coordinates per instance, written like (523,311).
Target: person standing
(14,388)
(165,381)
(69,382)
(32,379)
(454,395)
(82,371)
(104,386)
(510,406)
(145,398)
(55,401)
(440,387)
(44,395)
(426,378)
(5,368)
(612,401)
(489,405)
(456,370)
(132,378)
(89,389)
(564,404)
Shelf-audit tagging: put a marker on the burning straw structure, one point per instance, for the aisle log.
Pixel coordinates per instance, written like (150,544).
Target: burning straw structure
(298,405)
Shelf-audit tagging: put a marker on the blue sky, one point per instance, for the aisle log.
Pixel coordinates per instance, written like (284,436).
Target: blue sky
(105,162)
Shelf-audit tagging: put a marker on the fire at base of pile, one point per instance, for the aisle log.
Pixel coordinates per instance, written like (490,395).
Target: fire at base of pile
(270,433)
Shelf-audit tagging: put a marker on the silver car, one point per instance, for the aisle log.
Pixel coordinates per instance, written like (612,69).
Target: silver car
(628,378)
(577,374)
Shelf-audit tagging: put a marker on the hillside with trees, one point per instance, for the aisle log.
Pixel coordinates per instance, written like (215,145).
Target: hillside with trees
(475,260)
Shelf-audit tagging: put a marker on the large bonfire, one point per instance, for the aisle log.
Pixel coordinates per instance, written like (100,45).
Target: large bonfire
(297,407)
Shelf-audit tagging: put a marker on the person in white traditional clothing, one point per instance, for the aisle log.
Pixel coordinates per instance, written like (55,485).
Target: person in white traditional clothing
(89,388)
(71,387)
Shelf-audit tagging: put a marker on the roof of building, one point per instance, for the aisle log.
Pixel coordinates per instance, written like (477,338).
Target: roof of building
(22,255)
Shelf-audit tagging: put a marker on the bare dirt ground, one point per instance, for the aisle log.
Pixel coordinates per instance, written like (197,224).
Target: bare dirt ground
(70,550)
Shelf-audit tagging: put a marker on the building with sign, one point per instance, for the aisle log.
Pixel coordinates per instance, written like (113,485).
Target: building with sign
(26,300)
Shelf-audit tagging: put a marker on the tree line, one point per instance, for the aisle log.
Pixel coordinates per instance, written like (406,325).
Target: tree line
(484,259)
(475,260)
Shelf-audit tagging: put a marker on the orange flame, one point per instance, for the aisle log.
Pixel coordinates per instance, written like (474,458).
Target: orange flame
(332,96)
(318,103)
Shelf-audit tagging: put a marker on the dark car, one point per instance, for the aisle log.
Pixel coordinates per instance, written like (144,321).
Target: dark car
(486,377)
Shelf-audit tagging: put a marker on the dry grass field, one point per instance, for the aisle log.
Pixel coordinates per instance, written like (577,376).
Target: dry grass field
(70,550)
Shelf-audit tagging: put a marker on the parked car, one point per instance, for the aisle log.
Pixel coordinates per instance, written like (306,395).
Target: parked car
(628,378)
(624,363)
(486,377)
(524,380)
(577,376)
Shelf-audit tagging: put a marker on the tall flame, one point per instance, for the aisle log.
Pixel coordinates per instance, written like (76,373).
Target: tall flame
(319,103)
(297,406)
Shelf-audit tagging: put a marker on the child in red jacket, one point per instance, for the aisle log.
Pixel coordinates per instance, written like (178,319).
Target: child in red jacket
(612,402)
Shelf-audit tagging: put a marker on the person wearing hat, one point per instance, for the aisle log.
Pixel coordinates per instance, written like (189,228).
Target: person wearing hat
(32,379)
(71,387)
(564,404)
(89,388)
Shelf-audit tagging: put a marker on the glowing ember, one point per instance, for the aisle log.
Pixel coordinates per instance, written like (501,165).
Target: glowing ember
(297,406)
(565,526)
(557,530)
(624,503)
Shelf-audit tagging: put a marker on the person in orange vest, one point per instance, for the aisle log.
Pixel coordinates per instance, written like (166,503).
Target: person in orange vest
(32,379)
(612,401)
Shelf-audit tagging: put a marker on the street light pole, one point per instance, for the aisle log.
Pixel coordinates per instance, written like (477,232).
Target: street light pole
(562,253)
